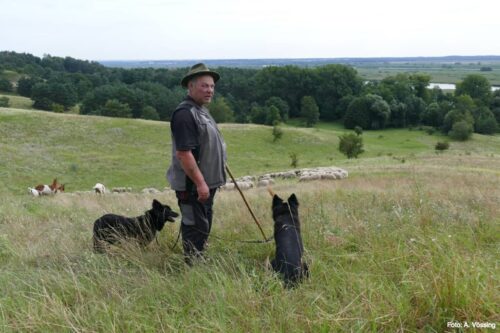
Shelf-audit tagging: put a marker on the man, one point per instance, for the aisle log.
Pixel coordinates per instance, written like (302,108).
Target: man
(198,159)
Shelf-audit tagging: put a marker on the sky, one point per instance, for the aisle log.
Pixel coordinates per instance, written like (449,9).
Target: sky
(250,29)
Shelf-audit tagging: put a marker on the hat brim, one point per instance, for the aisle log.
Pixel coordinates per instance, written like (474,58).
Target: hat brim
(185,79)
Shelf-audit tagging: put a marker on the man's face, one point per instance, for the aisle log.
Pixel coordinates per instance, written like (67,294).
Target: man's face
(201,89)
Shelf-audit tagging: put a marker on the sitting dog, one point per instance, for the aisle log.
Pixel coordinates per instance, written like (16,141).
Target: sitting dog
(111,228)
(289,249)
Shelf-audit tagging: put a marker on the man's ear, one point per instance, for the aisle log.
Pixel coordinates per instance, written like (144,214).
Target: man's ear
(292,200)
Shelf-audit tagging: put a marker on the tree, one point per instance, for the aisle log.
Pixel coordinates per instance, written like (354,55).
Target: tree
(351,145)
(258,114)
(477,87)
(420,82)
(25,84)
(221,111)
(149,112)
(368,112)
(44,94)
(5,85)
(114,108)
(272,115)
(432,115)
(398,114)
(334,82)
(415,107)
(484,121)
(309,110)
(281,105)
(358,114)
(379,112)
(462,111)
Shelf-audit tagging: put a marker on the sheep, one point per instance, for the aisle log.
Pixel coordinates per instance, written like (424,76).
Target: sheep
(99,188)
(265,182)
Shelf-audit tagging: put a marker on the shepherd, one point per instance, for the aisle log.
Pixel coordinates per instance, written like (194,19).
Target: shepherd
(197,168)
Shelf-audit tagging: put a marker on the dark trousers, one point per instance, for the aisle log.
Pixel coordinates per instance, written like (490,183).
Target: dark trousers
(196,221)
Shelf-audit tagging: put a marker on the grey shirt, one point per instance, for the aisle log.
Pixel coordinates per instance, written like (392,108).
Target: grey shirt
(194,129)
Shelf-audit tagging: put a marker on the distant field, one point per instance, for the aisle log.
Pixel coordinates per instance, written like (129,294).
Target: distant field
(407,243)
(440,72)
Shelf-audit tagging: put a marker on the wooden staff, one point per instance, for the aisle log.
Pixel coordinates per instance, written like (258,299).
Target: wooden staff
(245,200)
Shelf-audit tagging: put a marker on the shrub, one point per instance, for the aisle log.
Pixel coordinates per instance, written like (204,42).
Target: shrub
(351,145)
(4,102)
(442,145)
(461,131)
(149,112)
(294,159)
(358,130)
(277,133)
(57,108)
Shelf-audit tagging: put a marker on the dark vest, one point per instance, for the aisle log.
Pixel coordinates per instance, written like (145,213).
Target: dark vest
(210,155)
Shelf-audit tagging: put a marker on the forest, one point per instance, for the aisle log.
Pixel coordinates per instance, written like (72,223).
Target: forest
(269,95)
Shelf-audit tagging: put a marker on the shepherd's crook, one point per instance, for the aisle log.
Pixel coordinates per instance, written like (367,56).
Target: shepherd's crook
(246,203)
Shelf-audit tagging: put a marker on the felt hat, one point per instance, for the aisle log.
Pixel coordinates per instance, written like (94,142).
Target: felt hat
(199,69)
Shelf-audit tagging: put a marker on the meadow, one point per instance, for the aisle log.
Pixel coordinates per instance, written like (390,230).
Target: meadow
(439,71)
(409,242)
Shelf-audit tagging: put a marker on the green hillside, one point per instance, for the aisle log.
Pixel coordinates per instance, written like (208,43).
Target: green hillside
(79,150)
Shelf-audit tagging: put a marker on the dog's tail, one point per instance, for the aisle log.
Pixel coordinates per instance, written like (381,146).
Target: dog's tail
(270,190)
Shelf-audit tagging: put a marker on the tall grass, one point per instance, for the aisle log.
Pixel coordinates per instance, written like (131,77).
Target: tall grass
(397,247)
(406,253)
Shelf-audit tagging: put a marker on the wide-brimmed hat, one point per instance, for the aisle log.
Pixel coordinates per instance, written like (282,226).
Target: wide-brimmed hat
(199,69)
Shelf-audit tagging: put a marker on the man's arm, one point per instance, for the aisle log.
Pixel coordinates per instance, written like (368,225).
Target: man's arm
(191,169)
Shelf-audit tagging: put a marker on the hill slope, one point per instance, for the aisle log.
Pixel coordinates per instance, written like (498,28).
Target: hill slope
(37,146)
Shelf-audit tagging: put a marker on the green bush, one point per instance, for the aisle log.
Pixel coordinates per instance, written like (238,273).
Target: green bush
(4,102)
(442,145)
(277,133)
(461,131)
(351,145)
(358,130)
(294,160)
(57,108)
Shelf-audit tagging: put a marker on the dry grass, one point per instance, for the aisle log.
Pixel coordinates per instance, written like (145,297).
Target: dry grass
(395,247)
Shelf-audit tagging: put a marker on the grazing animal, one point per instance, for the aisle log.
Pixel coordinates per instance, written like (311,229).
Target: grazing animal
(111,228)
(33,191)
(49,189)
(99,188)
(289,248)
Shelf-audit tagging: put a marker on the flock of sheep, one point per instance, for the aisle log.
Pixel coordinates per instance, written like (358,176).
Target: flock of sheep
(244,183)
(303,175)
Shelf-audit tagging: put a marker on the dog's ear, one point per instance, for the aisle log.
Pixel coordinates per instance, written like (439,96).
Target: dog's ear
(292,200)
(157,204)
(277,201)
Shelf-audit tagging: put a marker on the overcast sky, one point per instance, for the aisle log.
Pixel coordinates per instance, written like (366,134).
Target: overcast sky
(228,29)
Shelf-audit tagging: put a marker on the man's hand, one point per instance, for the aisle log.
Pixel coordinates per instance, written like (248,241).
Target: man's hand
(191,169)
(203,192)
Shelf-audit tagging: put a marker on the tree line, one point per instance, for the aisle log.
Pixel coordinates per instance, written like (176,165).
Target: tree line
(264,96)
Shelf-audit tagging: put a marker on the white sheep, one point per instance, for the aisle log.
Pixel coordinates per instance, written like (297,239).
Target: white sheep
(99,188)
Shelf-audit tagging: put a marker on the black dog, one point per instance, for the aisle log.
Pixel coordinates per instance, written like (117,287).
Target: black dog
(111,228)
(289,248)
